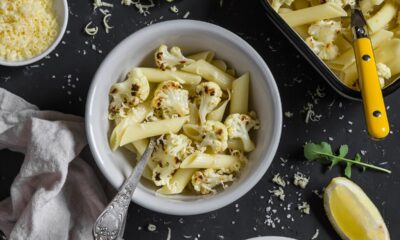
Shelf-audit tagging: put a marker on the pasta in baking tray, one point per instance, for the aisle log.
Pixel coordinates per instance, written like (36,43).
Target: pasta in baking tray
(325,27)
(199,111)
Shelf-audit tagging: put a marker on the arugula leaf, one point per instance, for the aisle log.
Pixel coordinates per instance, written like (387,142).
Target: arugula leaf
(343,150)
(323,153)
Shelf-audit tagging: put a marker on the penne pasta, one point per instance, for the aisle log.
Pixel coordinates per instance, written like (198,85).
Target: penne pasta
(312,14)
(231,72)
(194,114)
(240,94)
(207,56)
(155,75)
(210,73)
(300,4)
(214,161)
(178,182)
(218,113)
(382,17)
(235,144)
(137,131)
(140,146)
(219,64)
(193,131)
(302,31)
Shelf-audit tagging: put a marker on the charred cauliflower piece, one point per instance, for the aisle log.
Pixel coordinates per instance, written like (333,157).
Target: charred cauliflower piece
(128,94)
(322,35)
(170,59)
(170,151)
(204,181)
(214,136)
(384,73)
(170,99)
(277,4)
(208,96)
(238,126)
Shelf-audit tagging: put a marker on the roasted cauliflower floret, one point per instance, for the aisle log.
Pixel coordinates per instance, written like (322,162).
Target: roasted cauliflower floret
(325,31)
(177,145)
(322,35)
(170,59)
(238,126)
(170,151)
(128,94)
(384,73)
(277,4)
(325,51)
(170,99)
(204,181)
(208,96)
(214,136)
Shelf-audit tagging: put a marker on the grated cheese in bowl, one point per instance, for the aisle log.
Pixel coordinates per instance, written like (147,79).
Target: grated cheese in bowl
(27,28)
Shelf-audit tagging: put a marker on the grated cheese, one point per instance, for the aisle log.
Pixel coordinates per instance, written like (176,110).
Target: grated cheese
(105,22)
(91,31)
(100,3)
(300,180)
(142,8)
(27,28)
(174,9)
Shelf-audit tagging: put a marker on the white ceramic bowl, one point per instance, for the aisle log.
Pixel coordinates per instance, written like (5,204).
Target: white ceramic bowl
(61,10)
(191,36)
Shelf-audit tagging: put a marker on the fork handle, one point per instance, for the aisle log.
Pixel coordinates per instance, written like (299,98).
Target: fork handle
(374,105)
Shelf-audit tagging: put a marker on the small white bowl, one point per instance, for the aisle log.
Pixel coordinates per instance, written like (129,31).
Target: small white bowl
(191,36)
(61,10)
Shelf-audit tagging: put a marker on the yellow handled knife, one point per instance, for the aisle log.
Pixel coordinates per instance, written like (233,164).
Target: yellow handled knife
(374,105)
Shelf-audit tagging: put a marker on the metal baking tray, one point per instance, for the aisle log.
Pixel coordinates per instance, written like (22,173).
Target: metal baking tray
(313,59)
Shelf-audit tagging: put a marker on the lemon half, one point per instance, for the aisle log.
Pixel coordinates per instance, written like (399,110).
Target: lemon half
(352,213)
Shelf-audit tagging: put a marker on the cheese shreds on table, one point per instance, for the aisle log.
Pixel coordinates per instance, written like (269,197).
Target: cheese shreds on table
(27,28)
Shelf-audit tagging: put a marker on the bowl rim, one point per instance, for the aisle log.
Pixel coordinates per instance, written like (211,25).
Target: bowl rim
(49,49)
(168,206)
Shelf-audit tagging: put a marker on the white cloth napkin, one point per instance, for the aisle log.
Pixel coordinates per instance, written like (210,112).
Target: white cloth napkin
(56,194)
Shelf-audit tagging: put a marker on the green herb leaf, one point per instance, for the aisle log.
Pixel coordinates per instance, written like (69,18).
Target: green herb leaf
(343,150)
(314,151)
(323,153)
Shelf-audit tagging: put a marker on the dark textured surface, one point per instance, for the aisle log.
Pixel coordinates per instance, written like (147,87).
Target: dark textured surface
(297,82)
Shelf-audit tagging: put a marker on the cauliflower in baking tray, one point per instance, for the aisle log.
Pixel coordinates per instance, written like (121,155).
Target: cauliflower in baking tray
(325,51)
(204,181)
(170,99)
(238,126)
(325,31)
(322,35)
(214,136)
(277,4)
(208,96)
(170,59)
(128,94)
(170,151)
(384,73)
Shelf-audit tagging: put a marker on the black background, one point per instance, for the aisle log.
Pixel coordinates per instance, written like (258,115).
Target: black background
(46,84)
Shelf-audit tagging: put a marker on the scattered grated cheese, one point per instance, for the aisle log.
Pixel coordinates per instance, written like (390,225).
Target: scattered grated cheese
(310,114)
(142,8)
(100,3)
(105,22)
(300,180)
(288,114)
(186,15)
(279,180)
(278,193)
(304,207)
(169,234)
(151,227)
(91,31)
(315,236)
(27,28)
(174,9)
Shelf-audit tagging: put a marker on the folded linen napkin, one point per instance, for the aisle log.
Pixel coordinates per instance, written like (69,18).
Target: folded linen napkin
(56,194)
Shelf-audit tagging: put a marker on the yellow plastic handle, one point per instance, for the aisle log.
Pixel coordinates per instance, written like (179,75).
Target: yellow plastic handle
(374,106)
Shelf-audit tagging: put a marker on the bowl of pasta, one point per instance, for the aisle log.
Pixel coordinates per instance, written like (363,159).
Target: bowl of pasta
(206,96)
(321,31)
